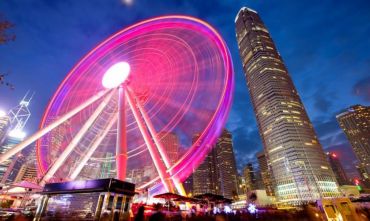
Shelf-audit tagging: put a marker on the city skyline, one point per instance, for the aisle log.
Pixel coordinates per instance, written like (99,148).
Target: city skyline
(67,50)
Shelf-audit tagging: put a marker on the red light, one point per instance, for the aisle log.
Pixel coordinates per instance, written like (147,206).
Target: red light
(334,155)
(357,182)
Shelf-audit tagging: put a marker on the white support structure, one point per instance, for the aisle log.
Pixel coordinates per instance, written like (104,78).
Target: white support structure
(51,126)
(92,148)
(149,143)
(76,139)
(157,142)
(152,131)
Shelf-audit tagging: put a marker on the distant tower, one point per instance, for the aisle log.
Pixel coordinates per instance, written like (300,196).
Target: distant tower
(17,117)
(298,163)
(226,165)
(205,176)
(355,122)
(4,126)
(265,173)
(338,170)
(250,177)
(170,142)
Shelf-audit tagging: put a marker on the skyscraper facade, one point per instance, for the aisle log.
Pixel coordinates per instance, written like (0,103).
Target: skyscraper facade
(299,166)
(205,177)
(170,142)
(4,126)
(355,122)
(249,177)
(217,174)
(226,165)
(338,170)
(265,173)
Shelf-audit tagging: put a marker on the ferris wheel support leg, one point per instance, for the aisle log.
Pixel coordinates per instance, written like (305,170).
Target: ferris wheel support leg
(93,148)
(50,127)
(121,145)
(165,178)
(76,139)
(158,144)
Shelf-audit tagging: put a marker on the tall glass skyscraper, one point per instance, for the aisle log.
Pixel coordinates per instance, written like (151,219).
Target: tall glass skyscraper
(299,166)
(355,122)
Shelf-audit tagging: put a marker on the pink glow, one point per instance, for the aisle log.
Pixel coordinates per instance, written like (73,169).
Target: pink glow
(182,74)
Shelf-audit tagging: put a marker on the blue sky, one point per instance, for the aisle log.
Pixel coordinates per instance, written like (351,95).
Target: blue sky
(325,45)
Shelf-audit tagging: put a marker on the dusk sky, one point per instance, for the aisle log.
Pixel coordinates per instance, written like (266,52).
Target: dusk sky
(325,46)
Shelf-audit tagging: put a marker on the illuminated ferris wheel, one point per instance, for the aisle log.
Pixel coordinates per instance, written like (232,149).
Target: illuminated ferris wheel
(113,114)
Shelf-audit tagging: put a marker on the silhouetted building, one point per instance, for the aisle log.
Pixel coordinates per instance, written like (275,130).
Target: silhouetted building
(355,122)
(265,173)
(338,170)
(299,166)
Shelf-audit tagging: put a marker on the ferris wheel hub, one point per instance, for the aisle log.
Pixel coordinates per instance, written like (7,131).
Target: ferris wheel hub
(116,75)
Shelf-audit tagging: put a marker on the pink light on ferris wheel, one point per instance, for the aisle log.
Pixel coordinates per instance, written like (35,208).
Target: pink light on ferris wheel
(177,102)
(116,75)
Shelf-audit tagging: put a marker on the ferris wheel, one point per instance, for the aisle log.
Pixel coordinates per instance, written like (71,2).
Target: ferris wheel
(145,105)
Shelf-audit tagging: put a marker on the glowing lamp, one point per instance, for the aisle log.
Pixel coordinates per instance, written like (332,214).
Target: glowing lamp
(252,208)
(2,113)
(116,75)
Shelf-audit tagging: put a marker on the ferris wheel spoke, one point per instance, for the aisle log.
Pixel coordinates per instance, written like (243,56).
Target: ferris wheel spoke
(157,142)
(151,130)
(150,145)
(42,132)
(93,148)
(60,160)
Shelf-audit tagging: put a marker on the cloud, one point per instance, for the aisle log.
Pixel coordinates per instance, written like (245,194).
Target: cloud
(362,89)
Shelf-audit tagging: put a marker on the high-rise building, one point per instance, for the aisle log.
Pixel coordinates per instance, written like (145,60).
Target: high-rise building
(10,167)
(338,170)
(298,164)
(226,165)
(4,126)
(265,173)
(205,177)
(17,118)
(249,178)
(355,122)
(170,142)
(217,174)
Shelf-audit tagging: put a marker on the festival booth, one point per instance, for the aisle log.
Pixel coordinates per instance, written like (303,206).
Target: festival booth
(86,200)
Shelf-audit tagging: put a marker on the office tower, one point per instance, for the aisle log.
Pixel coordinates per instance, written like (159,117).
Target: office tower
(27,169)
(10,167)
(298,164)
(249,178)
(265,173)
(355,122)
(205,177)
(4,126)
(27,172)
(217,174)
(170,142)
(338,170)
(226,165)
